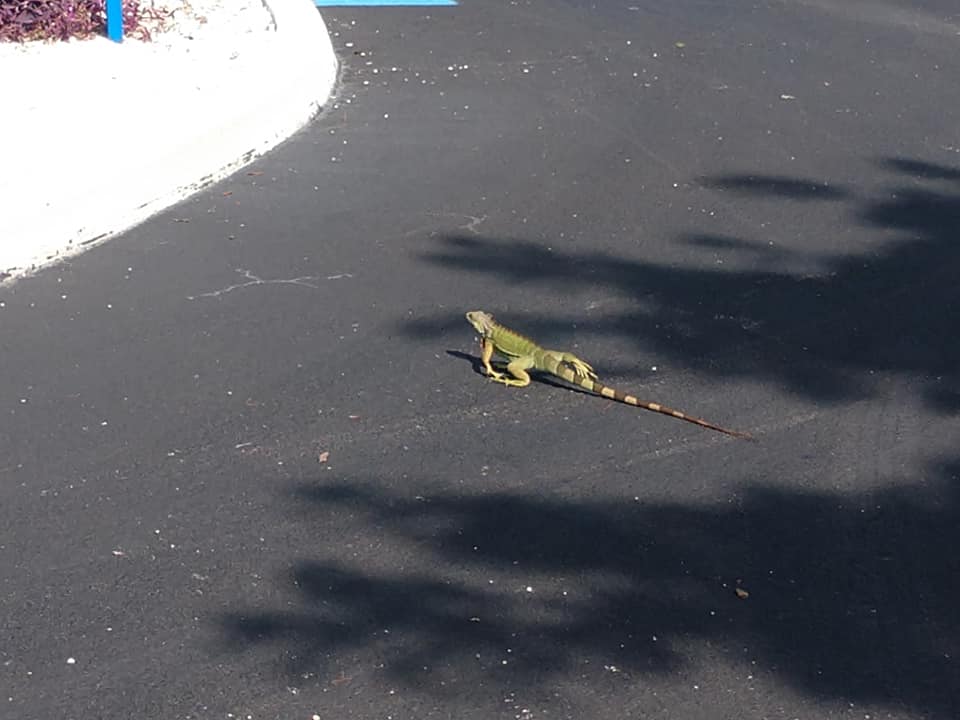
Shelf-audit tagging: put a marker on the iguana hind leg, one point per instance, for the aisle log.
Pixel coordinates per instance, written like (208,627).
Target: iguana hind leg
(518,369)
(580,368)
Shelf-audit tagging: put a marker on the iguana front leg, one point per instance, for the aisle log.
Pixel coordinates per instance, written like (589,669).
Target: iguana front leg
(486,352)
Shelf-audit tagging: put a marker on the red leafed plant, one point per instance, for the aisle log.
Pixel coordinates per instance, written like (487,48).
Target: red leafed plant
(22,20)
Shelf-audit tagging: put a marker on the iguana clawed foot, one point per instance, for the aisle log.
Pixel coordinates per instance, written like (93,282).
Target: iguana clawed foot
(582,369)
(493,374)
(503,379)
(509,382)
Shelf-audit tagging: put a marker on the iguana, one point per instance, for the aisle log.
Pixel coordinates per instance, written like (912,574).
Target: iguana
(525,354)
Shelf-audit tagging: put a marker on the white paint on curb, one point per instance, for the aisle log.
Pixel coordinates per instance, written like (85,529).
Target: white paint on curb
(122,144)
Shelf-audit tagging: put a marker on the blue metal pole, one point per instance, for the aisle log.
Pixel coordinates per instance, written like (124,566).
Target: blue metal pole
(115,20)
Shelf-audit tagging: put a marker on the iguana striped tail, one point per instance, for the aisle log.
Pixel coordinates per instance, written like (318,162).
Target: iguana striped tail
(562,371)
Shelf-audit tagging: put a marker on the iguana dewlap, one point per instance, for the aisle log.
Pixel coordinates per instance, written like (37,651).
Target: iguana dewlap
(524,354)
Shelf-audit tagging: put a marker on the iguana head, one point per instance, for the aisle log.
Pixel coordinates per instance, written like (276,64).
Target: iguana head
(482,322)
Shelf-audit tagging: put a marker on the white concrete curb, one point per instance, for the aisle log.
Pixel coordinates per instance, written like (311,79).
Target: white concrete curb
(131,149)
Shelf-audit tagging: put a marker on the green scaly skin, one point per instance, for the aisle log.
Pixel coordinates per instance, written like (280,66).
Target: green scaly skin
(524,354)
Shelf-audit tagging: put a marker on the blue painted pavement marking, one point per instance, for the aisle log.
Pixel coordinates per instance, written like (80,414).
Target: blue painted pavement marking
(382,3)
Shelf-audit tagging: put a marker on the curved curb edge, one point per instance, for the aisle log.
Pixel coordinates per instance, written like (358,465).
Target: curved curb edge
(297,70)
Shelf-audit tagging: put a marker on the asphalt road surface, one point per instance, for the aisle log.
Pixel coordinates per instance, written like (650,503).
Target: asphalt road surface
(249,468)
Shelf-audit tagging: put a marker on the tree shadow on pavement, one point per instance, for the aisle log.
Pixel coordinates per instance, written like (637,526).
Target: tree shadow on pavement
(847,598)
(823,336)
